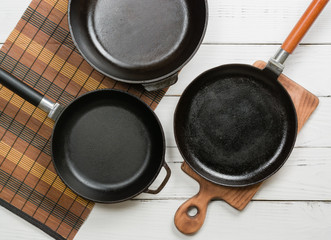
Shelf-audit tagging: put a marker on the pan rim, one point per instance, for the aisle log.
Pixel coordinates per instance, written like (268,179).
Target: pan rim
(152,80)
(224,183)
(161,160)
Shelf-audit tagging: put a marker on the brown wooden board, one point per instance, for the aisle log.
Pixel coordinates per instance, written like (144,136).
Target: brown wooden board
(305,104)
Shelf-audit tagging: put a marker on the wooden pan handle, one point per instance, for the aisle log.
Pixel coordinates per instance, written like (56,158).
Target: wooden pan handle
(191,224)
(303,25)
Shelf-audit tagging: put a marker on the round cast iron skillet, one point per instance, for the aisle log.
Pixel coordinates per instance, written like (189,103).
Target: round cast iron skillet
(143,41)
(236,125)
(107,146)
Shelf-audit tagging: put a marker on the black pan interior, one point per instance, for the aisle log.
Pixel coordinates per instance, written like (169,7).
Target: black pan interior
(108,146)
(137,40)
(235,125)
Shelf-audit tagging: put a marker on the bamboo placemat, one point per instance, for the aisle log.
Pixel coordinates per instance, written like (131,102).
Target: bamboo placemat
(41,53)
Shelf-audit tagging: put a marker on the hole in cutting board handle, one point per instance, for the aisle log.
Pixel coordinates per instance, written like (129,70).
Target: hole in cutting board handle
(192,211)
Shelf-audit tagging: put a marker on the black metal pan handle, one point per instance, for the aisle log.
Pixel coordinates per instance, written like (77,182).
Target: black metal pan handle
(20,88)
(164,182)
(161,84)
(30,95)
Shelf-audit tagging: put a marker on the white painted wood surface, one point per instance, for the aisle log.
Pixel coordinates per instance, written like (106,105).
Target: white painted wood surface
(293,204)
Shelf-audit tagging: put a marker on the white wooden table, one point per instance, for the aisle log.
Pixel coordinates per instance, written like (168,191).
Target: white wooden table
(293,204)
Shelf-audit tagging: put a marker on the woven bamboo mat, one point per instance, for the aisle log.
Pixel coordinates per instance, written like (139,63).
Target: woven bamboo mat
(41,53)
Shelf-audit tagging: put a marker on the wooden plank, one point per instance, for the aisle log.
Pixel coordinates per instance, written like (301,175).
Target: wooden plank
(254,21)
(261,220)
(259,21)
(307,66)
(143,220)
(10,12)
(314,134)
(13,227)
(305,176)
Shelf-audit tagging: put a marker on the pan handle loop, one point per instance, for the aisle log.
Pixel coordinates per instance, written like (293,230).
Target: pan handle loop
(161,84)
(164,182)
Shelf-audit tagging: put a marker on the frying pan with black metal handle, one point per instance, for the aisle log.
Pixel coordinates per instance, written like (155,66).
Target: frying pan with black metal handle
(236,125)
(107,146)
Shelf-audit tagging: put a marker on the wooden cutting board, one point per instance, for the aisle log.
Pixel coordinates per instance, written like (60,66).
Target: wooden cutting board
(305,104)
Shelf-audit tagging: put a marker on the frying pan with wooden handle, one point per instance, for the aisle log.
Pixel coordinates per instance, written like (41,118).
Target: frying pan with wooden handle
(236,125)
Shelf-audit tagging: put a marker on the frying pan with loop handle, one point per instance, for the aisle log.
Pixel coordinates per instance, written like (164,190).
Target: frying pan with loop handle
(107,145)
(236,125)
(139,42)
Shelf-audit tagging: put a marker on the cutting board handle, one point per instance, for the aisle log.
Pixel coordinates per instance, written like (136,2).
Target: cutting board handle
(236,197)
(304,24)
(191,224)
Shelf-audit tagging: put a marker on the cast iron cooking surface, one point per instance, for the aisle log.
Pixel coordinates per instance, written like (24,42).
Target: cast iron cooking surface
(140,27)
(109,146)
(137,40)
(233,127)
